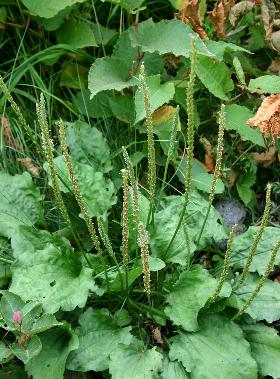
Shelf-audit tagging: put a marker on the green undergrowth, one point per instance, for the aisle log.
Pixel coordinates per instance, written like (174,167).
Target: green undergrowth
(114,262)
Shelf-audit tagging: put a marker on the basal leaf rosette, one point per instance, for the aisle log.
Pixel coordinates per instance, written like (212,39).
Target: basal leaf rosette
(47,270)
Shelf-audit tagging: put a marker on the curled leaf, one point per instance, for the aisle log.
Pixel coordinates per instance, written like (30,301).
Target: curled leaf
(265,159)
(267,117)
(238,9)
(32,168)
(190,14)
(220,14)
(268,15)
(209,161)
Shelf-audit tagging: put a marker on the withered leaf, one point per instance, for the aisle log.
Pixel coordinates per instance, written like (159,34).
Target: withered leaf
(220,14)
(265,159)
(267,118)
(209,161)
(238,9)
(190,14)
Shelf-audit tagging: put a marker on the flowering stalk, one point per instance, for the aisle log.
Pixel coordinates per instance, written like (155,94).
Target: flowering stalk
(133,189)
(17,110)
(218,167)
(257,238)
(143,241)
(262,280)
(76,188)
(150,134)
(170,152)
(125,229)
(48,151)
(190,141)
(225,266)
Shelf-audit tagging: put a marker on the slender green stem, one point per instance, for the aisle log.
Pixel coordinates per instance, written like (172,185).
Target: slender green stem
(258,237)
(217,171)
(261,282)
(190,140)
(169,154)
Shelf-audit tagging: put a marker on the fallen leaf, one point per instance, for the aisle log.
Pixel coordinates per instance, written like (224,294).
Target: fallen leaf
(209,161)
(268,15)
(238,9)
(274,68)
(157,335)
(11,141)
(232,177)
(267,118)
(220,14)
(190,14)
(275,41)
(32,168)
(265,159)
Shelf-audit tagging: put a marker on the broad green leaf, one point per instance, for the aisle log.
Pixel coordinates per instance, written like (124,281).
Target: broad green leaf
(218,48)
(30,349)
(103,35)
(242,244)
(43,323)
(122,108)
(109,73)
(99,336)
(217,351)
(128,5)
(98,192)
(13,372)
(201,179)
(236,117)
(265,84)
(203,182)
(239,70)
(88,145)
(166,221)
(243,186)
(167,36)
(20,203)
(266,305)
(188,295)
(215,76)
(48,271)
(160,94)
(265,346)
(53,23)
(163,120)
(5,254)
(124,50)
(137,362)
(73,76)
(95,108)
(5,354)
(50,8)
(172,370)
(56,346)
(76,33)
(10,303)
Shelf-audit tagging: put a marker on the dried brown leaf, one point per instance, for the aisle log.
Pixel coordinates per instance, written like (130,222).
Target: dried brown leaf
(232,177)
(274,68)
(190,14)
(209,161)
(32,168)
(11,141)
(220,14)
(268,15)
(265,159)
(275,40)
(238,9)
(267,118)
